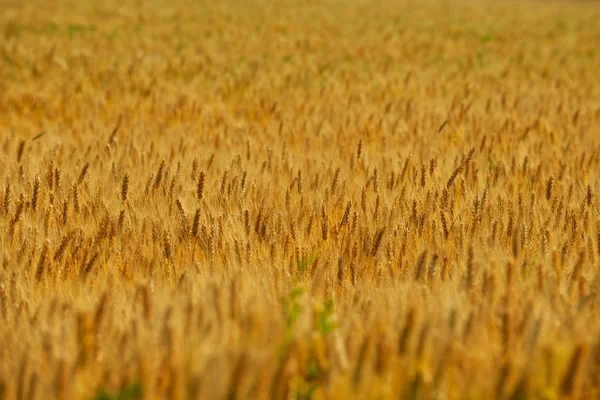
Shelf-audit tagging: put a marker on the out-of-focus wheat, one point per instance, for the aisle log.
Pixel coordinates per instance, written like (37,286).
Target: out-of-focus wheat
(299,200)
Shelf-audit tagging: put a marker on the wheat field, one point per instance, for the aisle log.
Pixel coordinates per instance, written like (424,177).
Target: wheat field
(284,199)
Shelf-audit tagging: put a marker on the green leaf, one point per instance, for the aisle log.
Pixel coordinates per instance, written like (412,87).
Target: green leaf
(131,392)
(486,38)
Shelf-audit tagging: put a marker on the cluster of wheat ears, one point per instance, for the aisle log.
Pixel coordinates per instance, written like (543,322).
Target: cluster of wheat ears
(299,200)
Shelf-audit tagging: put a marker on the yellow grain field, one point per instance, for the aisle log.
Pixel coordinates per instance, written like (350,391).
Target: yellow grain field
(285,199)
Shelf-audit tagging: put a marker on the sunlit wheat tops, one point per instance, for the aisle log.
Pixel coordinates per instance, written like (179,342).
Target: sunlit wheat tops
(299,200)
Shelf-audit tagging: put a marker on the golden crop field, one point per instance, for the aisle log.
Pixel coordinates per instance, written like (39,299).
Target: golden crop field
(285,199)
